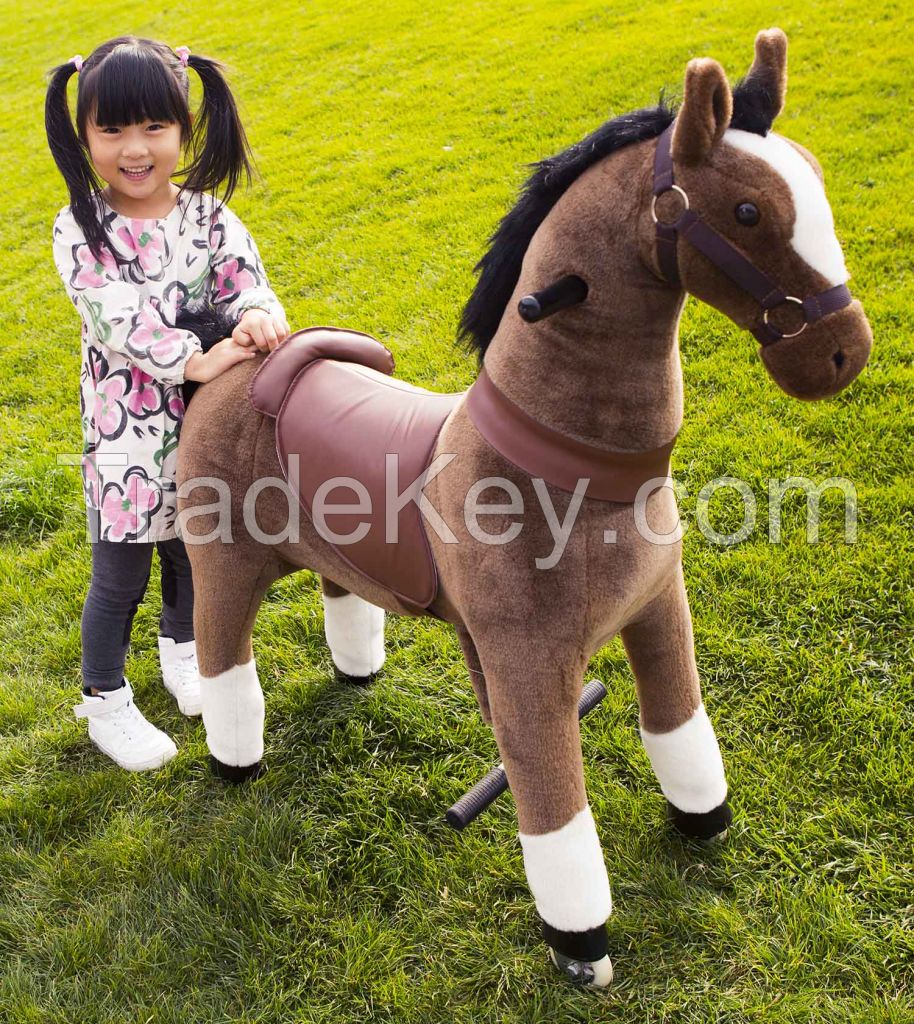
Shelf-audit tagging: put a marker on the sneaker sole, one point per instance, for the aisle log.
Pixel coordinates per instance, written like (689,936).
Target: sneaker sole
(188,710)
(138,766)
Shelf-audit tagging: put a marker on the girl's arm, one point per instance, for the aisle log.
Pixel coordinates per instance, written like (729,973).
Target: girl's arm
(239,281)
(114,311)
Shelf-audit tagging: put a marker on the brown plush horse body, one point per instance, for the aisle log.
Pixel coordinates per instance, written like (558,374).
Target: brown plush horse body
(653,205)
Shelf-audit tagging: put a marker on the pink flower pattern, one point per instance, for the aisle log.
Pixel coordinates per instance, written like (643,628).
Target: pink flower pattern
(233,277)
(145,241)
(175,405)
(151,339)
(144,398)
(108,412)
(90,481)
(127,413)
(92,271)
(126,510)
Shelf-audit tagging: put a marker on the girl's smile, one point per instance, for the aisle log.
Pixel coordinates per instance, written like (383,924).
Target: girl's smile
(137,173)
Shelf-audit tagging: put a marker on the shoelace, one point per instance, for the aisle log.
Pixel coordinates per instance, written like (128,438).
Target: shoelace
(187,670)
(130,721)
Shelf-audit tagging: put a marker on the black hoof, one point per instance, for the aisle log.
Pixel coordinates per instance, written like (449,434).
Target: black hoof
(586,974)
(588,946)
(236,774)
(348,680)
(705,826)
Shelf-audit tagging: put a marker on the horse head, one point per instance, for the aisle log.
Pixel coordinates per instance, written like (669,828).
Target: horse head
(740,219)
(613,231)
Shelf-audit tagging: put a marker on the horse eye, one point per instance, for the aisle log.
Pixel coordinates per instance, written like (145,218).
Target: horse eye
(747,213)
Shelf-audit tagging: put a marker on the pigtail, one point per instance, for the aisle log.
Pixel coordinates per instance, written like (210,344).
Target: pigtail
(129,80)
(71,159)
(220,154)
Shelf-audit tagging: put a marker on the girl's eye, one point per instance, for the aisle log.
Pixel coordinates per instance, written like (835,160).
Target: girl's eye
(748,214)
(110,130)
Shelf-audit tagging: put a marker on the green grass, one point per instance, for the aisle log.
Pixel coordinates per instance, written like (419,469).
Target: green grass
(390,139)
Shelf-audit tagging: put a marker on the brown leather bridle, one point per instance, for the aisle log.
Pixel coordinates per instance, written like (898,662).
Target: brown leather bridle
(726,258)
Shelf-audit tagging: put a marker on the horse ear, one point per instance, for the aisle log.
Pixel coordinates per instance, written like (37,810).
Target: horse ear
(707,105)
(767,78)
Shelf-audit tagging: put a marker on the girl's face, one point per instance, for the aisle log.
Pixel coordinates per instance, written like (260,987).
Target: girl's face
(136,160)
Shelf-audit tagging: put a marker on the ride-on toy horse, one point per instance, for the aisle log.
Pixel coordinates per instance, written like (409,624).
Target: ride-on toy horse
(575,318)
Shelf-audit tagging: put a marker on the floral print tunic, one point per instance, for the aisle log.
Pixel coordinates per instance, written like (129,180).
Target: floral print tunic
(132,359)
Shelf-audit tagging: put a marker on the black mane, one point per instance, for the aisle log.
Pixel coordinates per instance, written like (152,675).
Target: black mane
(500,268)
(211,324)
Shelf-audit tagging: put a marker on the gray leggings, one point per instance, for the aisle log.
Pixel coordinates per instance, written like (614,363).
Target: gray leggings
(120,574)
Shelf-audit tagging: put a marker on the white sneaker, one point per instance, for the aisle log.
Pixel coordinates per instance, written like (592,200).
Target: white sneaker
(180,674)
(117,727)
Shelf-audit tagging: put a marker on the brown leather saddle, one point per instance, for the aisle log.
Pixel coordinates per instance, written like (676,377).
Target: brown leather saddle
(339,411)
(341,418)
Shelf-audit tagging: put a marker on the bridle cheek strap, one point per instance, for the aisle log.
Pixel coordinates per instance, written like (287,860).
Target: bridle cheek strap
(727,258)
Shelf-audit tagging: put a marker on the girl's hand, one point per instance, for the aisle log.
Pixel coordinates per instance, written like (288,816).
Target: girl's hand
(260,328)
(204,366)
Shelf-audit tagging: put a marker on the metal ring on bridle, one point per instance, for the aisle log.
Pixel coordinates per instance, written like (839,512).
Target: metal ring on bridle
(787,298)
(672,188)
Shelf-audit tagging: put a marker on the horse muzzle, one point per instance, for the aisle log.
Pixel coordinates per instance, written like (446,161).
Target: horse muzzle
(824,358)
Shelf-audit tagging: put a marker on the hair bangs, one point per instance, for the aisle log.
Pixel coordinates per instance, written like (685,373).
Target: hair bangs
(130,86)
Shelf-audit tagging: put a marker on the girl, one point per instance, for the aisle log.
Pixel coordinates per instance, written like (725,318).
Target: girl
(134,250)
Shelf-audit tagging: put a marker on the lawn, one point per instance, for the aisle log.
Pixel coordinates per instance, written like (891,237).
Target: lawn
(390,138)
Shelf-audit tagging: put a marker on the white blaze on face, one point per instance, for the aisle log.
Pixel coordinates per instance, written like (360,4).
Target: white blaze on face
(814,236)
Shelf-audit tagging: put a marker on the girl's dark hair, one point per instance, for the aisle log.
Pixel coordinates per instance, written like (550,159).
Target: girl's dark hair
(128,80)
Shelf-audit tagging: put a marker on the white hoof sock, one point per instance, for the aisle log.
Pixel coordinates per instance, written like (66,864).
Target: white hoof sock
(233,714)
(688,764)
(355,634)
(567,875)
(588,973)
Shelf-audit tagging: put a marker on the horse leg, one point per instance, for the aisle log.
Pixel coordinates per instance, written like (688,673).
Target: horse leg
(355,634)
(675,728)
(229,585)
(477,676)
(535,720)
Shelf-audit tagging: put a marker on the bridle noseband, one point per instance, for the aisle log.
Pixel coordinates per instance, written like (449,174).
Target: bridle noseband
(726,258)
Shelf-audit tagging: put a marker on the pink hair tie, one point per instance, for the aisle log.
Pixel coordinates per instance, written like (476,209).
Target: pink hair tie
(78,61)
(182,52)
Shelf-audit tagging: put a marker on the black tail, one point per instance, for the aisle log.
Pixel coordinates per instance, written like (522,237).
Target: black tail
(210,324)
